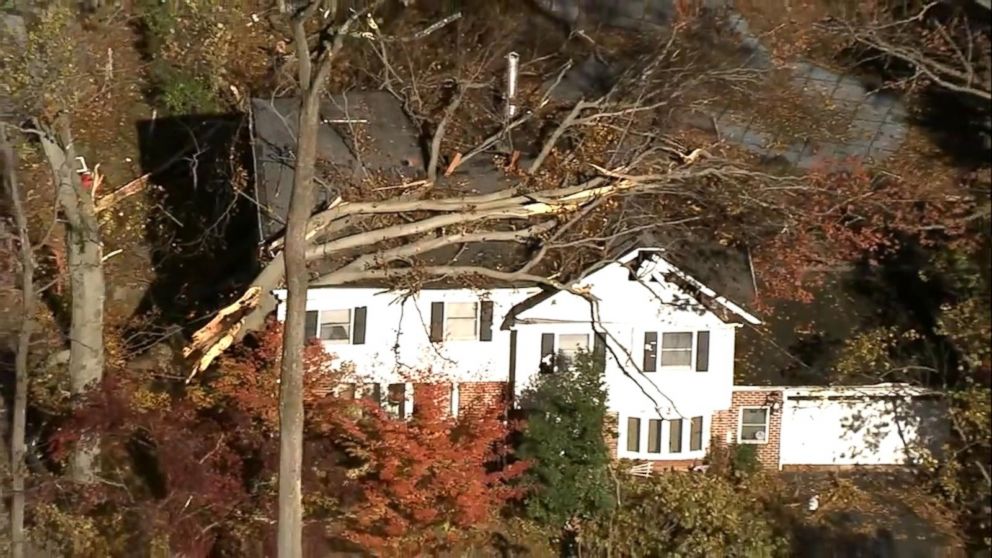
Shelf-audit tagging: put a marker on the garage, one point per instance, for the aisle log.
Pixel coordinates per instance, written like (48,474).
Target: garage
(856,426)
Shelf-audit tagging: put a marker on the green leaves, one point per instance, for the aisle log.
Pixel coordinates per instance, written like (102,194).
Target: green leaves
(565,442)
(682,515)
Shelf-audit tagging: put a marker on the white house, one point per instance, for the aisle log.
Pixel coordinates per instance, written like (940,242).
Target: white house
(668,342)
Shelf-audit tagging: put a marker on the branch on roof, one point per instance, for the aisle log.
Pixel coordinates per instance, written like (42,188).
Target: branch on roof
(445,120)
(430,243)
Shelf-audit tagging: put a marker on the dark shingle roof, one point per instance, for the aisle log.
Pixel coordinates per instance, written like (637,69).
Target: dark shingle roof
(374,121)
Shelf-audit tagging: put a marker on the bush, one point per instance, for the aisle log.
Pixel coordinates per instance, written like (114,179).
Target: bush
(565,442)
(182,93)
(744,460)
(682,515)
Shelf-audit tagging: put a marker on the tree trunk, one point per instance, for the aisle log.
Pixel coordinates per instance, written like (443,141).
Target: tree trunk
(291,379)
(85,258)
(17,445)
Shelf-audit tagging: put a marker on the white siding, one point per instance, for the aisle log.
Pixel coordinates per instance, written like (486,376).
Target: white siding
(397,338)
(627,309)
(859,430)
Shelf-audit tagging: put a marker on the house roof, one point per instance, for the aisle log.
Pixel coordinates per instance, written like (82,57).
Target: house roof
(359,132)
(635,258)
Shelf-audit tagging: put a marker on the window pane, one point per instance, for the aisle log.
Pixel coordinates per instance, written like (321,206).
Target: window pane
(696,434)
(335,316)
(460,310)
(335,325)
(754,416)
(633,434)
(678,357)
(571,343)
(654,436)
(396,400)
(676,340)
(461,328)
(330,332)
(675,436)
(753,433)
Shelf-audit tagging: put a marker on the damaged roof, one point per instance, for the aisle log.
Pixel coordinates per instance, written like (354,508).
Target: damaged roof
(359,132)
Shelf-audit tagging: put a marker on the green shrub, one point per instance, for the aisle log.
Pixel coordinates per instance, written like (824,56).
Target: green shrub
(682,515)
(182,93)
(744,460)
(565,442)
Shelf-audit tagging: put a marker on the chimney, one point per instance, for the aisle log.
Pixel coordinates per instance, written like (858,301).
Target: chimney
(512,69)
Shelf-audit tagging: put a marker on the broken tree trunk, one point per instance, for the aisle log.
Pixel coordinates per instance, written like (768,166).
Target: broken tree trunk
(86,280)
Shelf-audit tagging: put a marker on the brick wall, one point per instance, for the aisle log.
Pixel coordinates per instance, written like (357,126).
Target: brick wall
(439,393)
(725,423)
(476,395)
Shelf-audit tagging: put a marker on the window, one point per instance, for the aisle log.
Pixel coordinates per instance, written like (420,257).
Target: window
(675,436)
(633,434)
(395,403)
(461,321)
(570,345)
(654,436)
(696,434)
(676,349)
(754,425)
(335,326)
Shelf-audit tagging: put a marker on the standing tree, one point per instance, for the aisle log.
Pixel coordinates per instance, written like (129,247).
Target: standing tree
(565,441)
(295,264)
(8,164)
(44,82)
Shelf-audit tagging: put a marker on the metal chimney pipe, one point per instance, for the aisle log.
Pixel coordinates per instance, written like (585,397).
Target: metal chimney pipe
(512,69)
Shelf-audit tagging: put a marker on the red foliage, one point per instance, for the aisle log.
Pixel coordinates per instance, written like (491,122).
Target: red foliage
(199,464)
(840,218)
(428,479)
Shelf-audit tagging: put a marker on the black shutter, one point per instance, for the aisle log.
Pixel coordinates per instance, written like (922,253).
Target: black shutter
(310,326)
(650,363)
(437,322)
(358,331)
(486,319)
(703,351)
(599,349)
(547,352)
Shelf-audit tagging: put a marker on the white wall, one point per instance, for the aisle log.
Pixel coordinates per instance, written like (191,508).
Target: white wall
(397,334)
(859,430)
(627,309)
(397,340)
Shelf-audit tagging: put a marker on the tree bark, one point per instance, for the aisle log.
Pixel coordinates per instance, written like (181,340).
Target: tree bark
(86,280)
(291,378)
(17,435)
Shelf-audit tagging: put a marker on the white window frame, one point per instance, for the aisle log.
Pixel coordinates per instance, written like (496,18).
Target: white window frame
(642,453)
(476,320)
(351,326)
(740,424)
(660,350)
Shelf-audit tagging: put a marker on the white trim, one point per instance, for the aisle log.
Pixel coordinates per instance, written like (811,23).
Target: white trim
(454,399)
(740,424)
